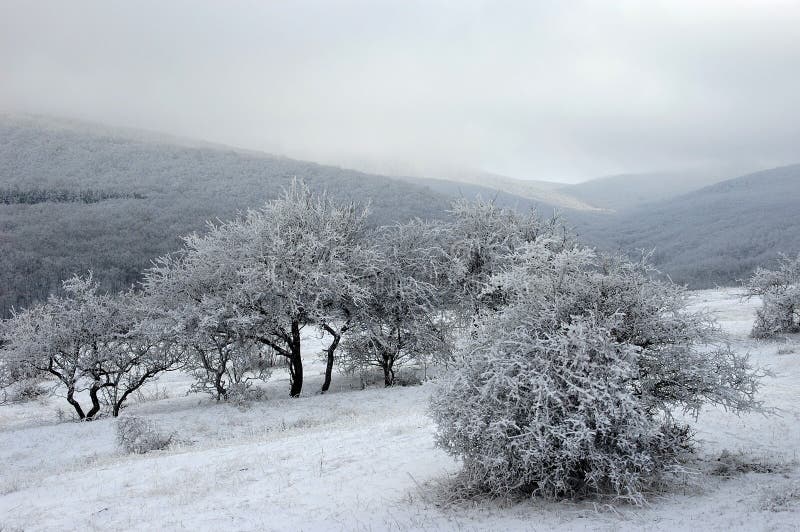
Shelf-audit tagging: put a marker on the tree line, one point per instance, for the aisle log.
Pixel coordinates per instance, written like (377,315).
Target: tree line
(243,292)
(33,195)
(563,365)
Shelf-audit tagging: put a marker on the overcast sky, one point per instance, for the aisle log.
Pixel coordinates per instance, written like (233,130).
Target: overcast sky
(561,90)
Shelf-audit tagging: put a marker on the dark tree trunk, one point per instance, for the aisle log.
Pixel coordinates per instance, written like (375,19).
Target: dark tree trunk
(71,400)
(388,370)
(117,406)
(221,391)
(329,368)
(295,362)
(337,336)
(95,402)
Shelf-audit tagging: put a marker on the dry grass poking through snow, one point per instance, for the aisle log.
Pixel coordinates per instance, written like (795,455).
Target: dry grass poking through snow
(365,460)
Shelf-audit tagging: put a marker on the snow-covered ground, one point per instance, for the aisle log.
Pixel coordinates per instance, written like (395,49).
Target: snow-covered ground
(365,460)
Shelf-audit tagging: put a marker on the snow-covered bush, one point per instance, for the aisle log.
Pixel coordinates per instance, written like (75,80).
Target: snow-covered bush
(236,368)
(21,391)
(139,435)
(779,290)
(569,388)
(550,413)
(244,392)
(18,382)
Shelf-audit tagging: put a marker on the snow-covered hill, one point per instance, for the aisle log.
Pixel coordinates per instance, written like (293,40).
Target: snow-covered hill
(365,460)
(630,191)
(713,236)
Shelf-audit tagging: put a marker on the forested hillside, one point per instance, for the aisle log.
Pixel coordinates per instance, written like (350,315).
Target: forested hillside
(713,236)
(74,200)
(77,196)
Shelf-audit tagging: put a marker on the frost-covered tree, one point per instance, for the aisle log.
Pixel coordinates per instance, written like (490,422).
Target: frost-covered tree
(63,338)
(570,387)
(90,342)
(401,320)
(266,276)
(295,259)
(779,290)
(140,349)
(190,292)
(482,240)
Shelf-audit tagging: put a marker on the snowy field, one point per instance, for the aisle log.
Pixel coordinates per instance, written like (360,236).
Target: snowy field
(365,460)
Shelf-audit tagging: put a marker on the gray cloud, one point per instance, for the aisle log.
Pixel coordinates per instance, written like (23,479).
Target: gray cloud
(549,90)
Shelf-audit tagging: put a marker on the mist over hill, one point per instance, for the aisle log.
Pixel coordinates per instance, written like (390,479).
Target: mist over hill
(77,196)
(111,200)
(630,191)
(543,193)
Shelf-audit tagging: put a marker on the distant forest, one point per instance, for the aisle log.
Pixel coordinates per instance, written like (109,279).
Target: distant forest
(715,236)
(77,199)
(33,195)
(74,201)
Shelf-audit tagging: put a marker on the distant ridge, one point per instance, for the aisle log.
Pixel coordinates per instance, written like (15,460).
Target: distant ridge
(151,190)
(542,192)
(629,191)
(715,235)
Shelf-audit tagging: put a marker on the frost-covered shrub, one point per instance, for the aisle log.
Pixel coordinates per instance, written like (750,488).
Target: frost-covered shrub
(780,295)
(569,388)
(552,416)
(23,391)
(242,393)
(139,435)
(227,370)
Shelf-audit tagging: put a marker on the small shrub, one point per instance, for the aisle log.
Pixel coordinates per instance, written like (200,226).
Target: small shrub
(138,435)
(243,393)
(369,377)
(730,464)
(779,290)
(23,391)
(782,499)
(157,394)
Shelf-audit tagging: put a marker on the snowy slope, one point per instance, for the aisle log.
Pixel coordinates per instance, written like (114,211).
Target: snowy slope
(365,460)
